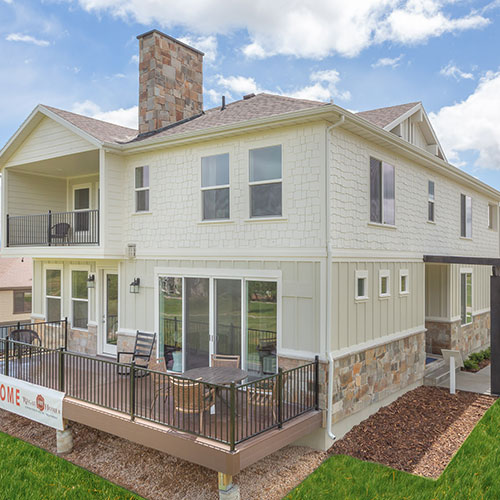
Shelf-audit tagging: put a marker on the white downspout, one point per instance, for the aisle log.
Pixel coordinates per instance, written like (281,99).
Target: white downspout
(329,276)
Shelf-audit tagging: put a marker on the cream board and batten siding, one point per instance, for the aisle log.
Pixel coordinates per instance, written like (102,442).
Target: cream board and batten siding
(300,295)
(175,221)
(356,322)
(350,200)
(49,139)
(443,288)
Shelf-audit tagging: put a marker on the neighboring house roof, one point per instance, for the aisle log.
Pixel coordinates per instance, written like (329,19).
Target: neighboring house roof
(102,131)
(385,116)
(15,274)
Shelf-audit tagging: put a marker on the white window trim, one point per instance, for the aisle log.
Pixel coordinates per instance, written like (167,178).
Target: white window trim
(374,223)
(145,188)
(467,270)
(404,272)
(492,218)
(52,267)
(214,187)
(384,273)
(360,274)
(465,237)
(269,181)
(71,299)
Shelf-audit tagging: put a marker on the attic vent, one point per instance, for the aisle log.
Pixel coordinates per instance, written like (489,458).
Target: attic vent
(131,250)
(248,96)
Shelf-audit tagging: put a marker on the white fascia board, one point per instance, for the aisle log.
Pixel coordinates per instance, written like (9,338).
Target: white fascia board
(403,117)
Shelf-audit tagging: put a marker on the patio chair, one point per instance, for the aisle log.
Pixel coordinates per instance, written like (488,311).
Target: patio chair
(26,336)
(161,382)
(60,231)
(264,394)
(191,397)
(226,360)
(141,355)
(31,361)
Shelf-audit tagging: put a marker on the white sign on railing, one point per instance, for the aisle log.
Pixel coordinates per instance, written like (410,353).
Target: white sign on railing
(32,401)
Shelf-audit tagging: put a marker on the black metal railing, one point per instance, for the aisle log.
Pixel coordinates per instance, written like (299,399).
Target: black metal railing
(53,229)
(48,334)
(229,414)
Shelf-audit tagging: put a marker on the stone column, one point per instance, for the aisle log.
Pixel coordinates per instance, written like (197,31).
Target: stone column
(64,440)
(228,490)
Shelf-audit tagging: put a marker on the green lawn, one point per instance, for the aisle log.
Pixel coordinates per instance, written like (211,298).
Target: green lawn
(473,474)
(29,473)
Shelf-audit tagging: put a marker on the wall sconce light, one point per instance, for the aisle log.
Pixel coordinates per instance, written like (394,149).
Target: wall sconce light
(134,286)
(91,281)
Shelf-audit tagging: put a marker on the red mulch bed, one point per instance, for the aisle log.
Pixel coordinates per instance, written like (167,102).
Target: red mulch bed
(418,433)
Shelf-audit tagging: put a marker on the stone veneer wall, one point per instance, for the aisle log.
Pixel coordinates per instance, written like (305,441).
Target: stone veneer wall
(452,335)
(369,376)
(83,341)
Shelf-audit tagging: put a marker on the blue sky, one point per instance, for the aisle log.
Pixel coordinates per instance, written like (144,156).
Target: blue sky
(81,55)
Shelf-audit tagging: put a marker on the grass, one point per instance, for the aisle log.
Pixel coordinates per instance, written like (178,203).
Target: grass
(471,475)
(30,473)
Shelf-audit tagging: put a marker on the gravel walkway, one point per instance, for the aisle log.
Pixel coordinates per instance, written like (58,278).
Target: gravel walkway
(418,433)
(158,476)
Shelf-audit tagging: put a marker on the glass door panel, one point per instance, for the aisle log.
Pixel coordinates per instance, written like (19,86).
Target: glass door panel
(111,309)
(228,316)
(171,321)
(197,322)
(262,314)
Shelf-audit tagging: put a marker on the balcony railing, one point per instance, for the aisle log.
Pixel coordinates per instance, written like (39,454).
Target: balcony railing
(228,414)
(53,229)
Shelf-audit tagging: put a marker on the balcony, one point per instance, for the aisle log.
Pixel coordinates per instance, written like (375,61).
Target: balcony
(77,228)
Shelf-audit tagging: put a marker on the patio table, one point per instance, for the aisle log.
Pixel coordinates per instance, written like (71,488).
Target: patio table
(220,375)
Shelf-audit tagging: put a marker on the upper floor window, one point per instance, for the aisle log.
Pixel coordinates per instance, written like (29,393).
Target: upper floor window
(382,192)
(492,216)
(215,186)
(465,216)
(142,189)
(430,209)
(22,301)
(265,182)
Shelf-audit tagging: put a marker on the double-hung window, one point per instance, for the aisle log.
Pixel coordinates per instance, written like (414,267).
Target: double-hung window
(465,216)
(265,182)
(382,192)
(142,189)
(22,301)
(492,216)
(430,203)
(79,299)
(215,186)
(466,297)
(53,294)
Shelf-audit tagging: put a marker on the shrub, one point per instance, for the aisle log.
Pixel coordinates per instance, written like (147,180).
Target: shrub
(477,356)
(487,353)
(469,364)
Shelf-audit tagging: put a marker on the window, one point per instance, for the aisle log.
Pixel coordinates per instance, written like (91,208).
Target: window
(215,187)
(265,182)
(384,283)
(404,288)
(53,295)
(466,297)
(465,216)
(430,210)
(492,217)
(79,299)
(382,192)
(142,189)
(22,301)
(361,284)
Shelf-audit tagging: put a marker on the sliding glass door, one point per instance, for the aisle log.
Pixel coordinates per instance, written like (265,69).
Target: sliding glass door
(197,323)
(228,316)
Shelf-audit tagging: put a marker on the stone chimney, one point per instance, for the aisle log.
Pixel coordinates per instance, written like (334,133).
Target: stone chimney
(170,81)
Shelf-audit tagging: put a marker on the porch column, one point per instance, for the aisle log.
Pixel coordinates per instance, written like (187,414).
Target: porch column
(228,490)
(64,439)
(495,330)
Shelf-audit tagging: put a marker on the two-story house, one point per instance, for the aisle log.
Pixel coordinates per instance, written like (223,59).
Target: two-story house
(272,228)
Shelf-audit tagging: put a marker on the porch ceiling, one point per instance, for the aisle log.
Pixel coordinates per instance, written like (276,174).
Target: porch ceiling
(79,164)
(451,259)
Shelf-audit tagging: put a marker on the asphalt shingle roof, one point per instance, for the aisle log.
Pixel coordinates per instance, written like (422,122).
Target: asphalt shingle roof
(383,116)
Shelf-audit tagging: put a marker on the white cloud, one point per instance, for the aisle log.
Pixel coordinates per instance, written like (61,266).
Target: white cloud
(454,71)
(207,44)
(134,59)
(324,87)
(18,37)
(127,117)
(239,85)
(472,124)
(301,28)
(393,62)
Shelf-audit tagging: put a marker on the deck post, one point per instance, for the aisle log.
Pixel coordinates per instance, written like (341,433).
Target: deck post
(132,390)
(64,439)
(232,423)
(6,367)
(7,230)
(49,226)
(65,333)
(228,490)
(280,398)
(61,369)
(316,382)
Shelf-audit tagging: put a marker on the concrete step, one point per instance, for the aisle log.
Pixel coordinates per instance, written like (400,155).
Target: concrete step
(437,375)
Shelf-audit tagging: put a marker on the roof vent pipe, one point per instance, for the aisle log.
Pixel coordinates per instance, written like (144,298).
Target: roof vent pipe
(223,107)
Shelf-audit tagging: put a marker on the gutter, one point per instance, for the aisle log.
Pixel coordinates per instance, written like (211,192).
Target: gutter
(341,121)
